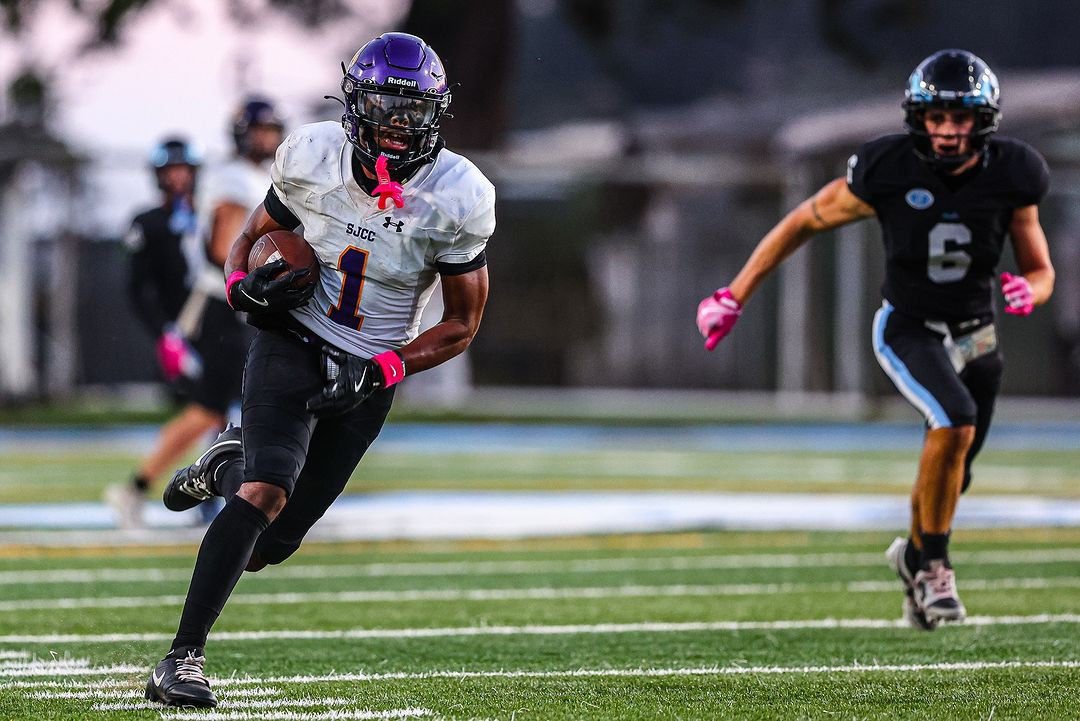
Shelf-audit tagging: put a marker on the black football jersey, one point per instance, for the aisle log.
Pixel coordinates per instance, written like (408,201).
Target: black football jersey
(944,236)
(158,272)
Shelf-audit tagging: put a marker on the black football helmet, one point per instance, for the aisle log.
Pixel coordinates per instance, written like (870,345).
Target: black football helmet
(952,79)
(174,150)
(254,111)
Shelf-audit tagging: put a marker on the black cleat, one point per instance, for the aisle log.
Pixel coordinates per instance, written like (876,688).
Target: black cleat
(178,680)
(192,485)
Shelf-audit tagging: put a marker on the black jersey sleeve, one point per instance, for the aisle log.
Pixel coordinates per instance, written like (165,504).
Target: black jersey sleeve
(1033,176)
(864,177)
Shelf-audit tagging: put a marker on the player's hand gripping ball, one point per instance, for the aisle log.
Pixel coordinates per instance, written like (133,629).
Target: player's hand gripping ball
(283,271)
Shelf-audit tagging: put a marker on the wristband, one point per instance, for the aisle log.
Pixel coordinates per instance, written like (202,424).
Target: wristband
(392,366)
(235,277)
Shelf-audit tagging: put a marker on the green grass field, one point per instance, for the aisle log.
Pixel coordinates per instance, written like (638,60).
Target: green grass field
(668,626)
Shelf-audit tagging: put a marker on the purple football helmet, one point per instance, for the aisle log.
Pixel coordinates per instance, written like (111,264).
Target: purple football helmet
(395,93)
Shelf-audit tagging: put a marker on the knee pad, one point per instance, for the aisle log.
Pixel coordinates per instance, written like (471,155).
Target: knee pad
(278,465)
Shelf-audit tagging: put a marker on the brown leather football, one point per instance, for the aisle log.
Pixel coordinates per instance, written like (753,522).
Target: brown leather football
(285,244)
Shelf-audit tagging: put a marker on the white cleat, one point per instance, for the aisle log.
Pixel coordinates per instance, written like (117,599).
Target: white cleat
(127,504)
(912,613)
(935,593)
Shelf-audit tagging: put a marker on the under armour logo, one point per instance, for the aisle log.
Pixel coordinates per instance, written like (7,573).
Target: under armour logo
(390,222)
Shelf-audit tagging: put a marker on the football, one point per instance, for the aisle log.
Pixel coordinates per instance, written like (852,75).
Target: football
(285,244)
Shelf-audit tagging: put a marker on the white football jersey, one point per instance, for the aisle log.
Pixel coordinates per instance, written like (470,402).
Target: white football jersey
(237,181)
(378,267)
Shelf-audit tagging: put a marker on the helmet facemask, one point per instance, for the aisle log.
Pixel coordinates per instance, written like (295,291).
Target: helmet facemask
(402,125)
(986,123)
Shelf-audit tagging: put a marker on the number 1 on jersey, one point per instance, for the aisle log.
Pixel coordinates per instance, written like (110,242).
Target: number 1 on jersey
(352,262)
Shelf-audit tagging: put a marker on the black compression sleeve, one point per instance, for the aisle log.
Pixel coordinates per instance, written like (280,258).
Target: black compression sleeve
(279,211)
(461,268)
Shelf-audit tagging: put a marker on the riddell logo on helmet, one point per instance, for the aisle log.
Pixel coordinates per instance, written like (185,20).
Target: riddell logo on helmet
(406,82)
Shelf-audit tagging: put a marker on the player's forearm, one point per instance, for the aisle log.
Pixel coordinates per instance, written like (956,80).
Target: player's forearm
(1042,284)
(437,344)
(238,254)
(774,248)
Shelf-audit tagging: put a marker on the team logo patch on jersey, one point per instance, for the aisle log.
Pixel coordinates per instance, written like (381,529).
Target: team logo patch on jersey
(919,198)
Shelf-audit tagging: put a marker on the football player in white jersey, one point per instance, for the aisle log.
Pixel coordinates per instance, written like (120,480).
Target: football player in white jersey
(390,213)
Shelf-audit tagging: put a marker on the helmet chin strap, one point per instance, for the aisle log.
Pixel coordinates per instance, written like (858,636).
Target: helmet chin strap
(387,189)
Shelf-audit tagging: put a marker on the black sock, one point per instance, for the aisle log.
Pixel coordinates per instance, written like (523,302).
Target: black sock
(224,552)
(141,483)
(228,477)
(911,556)
(935,547)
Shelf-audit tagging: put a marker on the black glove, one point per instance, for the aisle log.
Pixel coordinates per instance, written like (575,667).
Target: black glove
(260,292)
(350,381)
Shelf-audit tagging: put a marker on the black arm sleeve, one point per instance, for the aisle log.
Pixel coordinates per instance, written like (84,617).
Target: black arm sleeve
(461,268)
(279,211)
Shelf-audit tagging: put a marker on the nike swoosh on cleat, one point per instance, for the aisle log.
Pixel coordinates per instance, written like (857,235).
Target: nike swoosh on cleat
(157,679)
(257,302)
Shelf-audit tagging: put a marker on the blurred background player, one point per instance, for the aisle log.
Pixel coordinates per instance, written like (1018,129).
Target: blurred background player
(946,194)
(158,284)
(205,347)
(391,214)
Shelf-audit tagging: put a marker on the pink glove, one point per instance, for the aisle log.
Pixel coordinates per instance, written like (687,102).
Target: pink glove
(386,188)
(716,316)
(1019,297)
(176,356)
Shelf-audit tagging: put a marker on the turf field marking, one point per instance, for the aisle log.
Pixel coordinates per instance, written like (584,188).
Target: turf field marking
(671,563)
(24,665)
(536,630)
(654,672)
(292,716)
(229,704)
(526,594)
(68,670)
(116,692)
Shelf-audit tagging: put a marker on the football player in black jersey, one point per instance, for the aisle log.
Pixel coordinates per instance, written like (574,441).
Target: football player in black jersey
(159,287)
(947,193)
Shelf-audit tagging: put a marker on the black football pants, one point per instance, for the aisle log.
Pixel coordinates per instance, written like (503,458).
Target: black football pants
(285,445)
(917,361)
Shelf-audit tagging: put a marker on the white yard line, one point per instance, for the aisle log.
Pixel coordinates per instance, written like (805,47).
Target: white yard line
(536,630)
(476,568)
(293,716)
(653,672)
(525,594)
(120,692)
(229,704)
(67,671)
